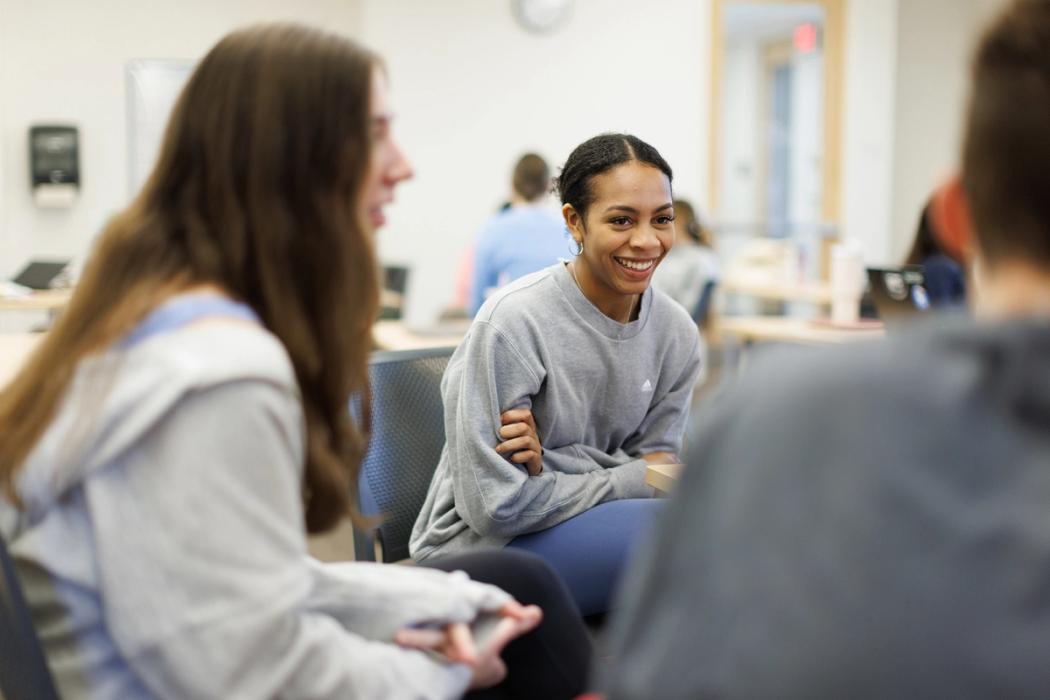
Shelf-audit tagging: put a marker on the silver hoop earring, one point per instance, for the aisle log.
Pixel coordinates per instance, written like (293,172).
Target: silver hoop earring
(579,248)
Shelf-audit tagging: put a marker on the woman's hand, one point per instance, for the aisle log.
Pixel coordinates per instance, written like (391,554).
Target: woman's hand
(520,437)
(456,642)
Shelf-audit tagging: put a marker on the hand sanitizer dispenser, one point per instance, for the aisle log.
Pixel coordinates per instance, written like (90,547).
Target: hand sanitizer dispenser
(54,165)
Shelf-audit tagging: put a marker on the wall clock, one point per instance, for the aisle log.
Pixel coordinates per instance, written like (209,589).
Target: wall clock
(541,16)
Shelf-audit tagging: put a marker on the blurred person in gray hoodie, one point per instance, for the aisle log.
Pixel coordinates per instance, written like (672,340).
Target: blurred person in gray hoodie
(875,522)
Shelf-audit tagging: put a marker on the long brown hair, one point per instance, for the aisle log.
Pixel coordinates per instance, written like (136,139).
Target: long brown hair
(255,190)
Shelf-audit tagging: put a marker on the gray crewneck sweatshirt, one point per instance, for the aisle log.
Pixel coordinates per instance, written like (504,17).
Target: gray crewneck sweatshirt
(162,546)
(603,394)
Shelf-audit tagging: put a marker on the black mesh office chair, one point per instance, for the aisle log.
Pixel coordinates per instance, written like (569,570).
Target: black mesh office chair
(23,668)
(408,434)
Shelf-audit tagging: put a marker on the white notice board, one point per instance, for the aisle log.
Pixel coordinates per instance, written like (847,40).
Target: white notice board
(152,88)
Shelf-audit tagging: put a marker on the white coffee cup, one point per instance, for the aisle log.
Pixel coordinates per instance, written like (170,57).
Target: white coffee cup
(847,283)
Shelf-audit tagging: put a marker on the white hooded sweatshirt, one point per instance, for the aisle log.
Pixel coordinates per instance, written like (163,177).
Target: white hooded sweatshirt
(162,547)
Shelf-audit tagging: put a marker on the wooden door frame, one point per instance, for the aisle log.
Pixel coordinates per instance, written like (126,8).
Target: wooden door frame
(834,71)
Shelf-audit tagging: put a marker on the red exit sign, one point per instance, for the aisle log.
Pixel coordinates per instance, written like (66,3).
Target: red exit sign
(805,38)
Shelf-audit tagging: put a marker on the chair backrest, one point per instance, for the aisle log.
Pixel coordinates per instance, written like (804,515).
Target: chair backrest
(408,434)
(23,667)
(395,278)
(395,284)
(703,305)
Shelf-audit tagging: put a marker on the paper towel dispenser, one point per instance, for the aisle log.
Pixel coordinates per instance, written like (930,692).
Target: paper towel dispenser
(54,164)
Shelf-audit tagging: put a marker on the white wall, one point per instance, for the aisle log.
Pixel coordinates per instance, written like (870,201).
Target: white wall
(741,135)
(935,40)
(868,124)
(906,91)
(63,60)
(473,91)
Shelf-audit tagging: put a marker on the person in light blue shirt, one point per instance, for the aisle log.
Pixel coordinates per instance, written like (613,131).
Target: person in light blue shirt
(523,238)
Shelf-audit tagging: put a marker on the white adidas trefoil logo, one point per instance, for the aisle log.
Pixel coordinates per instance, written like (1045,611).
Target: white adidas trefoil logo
(647,387)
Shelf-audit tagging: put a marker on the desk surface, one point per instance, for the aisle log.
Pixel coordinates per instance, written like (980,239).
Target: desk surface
(784,329)
(14,349)
(662,477)
(765,288)
(395,335)
(38,301)
(389,335)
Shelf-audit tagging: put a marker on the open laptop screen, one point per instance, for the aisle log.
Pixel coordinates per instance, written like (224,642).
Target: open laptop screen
(898,292)
(39,274)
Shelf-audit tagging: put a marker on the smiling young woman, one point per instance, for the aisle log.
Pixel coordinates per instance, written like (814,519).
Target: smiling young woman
(570,382)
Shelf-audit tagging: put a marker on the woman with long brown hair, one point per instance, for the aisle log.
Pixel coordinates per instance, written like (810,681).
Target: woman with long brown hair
(185,424)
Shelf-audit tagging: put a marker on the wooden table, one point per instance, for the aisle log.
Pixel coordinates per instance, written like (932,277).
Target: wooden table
(662,477)
(765,288)
(786,329)
(395,335)
(14,349)
(51,300)
(389,335)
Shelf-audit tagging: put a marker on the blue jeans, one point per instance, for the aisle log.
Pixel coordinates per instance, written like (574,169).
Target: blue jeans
(590,550)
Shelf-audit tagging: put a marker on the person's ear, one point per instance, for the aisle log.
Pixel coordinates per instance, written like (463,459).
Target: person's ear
(952,223)
(573,221)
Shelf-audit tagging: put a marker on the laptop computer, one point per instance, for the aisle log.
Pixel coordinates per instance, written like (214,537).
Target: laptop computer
(40,274)
(897,293)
